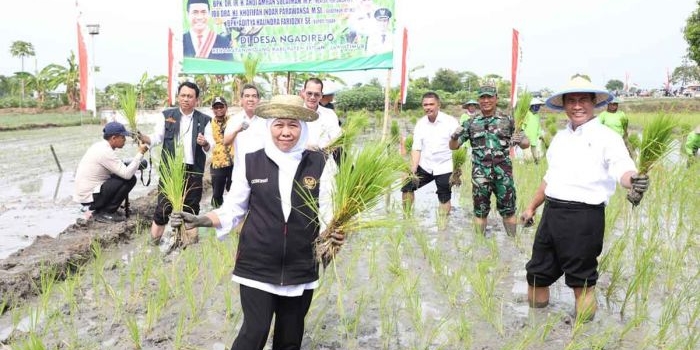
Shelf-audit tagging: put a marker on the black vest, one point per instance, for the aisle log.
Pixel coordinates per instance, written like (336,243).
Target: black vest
(172,133)
(270,250)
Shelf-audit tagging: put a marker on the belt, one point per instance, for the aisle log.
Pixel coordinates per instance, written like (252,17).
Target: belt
(558,203)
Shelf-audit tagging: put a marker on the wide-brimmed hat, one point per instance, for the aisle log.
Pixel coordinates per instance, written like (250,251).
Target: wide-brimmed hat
(287,107)
(616,100)
(579,84)
(536,101)
(470,102)
(115,128)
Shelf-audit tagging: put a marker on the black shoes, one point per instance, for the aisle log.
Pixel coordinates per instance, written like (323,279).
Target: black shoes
(108,217)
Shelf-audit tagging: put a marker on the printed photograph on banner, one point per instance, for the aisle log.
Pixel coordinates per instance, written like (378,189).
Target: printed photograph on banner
(301,35)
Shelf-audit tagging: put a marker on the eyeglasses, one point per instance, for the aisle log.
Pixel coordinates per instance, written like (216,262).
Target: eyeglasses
(313,94)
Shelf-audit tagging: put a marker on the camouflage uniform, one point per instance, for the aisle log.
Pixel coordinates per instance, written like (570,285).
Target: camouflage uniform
(492,170)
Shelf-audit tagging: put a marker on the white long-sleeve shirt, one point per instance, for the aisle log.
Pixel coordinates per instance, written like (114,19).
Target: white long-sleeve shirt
(323,130)
(97,165)
(432,139)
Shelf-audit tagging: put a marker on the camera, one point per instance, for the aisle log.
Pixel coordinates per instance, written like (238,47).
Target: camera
(142,166)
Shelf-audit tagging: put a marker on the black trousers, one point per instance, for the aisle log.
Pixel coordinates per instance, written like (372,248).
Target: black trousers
(259,306)
(112,193)
(220,181)
(193,195)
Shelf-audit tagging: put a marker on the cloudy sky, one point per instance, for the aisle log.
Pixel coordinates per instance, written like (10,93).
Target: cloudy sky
(602,38)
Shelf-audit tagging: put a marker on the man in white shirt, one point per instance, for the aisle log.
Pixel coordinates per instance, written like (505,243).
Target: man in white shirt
(102,180)
(585,161)
(431,157)
(326,129)
(244,130)
(190,128)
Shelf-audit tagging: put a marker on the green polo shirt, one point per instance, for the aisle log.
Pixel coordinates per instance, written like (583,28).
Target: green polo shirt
(616,121)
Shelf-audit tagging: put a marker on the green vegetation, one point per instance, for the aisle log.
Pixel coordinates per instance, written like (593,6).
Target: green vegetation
(16,121)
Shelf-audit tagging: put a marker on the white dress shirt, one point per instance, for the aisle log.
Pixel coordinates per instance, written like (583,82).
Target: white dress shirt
(186,129)
(323,130)
(432,140)
(586,163)
(248,140)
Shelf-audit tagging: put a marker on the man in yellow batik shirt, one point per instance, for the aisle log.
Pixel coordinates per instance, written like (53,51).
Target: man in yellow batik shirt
(222,156)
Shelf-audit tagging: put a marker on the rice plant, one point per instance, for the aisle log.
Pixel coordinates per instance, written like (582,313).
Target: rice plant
(459,157)
(656,142)
(127,102)
(358,191)
(173,182)
(521,109)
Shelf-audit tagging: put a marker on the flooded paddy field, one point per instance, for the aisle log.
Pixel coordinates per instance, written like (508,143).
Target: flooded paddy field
(424,283)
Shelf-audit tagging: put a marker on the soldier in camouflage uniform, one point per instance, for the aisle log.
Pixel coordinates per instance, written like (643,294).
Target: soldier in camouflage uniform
(491,134)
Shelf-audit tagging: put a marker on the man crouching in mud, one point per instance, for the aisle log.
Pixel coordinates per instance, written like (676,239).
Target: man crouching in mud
(585,161)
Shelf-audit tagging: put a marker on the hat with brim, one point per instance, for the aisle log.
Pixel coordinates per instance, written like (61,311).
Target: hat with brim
(579,84)
(286,107)
(487,90)
(536,101)
(470,102)
(115,128)
(615,100)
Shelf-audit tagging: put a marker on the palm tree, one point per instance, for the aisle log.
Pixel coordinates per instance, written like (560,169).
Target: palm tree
(22,49)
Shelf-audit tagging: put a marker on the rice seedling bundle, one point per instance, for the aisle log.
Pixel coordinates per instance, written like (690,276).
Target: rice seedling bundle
(127,101)
(657,139)
(521,109)
(173,182)
(459,157)
(363,178)
(353,126)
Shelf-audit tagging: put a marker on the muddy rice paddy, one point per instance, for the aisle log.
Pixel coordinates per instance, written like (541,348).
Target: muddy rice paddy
(423,283)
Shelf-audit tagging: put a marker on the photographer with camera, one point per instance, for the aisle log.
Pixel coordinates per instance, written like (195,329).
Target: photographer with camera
(103,180)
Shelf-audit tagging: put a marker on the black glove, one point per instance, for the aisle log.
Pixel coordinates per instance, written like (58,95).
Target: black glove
(640,183)
(517,138)
(634,197)
(457,133)
(179,218)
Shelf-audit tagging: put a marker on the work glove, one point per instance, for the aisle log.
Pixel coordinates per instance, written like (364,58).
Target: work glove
(640,183)
(457,133)
(180,218)
(517,138)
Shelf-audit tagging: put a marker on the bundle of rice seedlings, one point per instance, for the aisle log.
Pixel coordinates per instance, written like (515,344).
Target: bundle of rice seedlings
(127,101)
(656,143)
(173,183)
(408,143)
(521,109)
(459,157)
(363,178)
(351,129)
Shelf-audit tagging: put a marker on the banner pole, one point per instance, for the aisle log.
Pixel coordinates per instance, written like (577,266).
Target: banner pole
(387,101)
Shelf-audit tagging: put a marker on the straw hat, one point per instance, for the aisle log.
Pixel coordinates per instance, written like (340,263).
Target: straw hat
(579,84)
(287,107)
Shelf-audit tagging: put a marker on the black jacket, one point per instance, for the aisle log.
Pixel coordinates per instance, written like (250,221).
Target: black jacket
(271,250)
(172,131)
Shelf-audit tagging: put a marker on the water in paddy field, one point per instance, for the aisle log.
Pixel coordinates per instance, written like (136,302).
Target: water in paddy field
(35,198)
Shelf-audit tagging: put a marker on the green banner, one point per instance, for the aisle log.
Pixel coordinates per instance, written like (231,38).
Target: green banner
(287,35)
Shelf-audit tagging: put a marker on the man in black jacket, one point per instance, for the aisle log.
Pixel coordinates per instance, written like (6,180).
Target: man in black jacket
(191,129)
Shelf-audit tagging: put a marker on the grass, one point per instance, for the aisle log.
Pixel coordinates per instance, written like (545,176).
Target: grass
(409,286)
(16,121)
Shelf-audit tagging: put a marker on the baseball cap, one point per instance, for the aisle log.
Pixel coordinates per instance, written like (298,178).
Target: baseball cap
(487,90)
(218,99)
(115,128)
